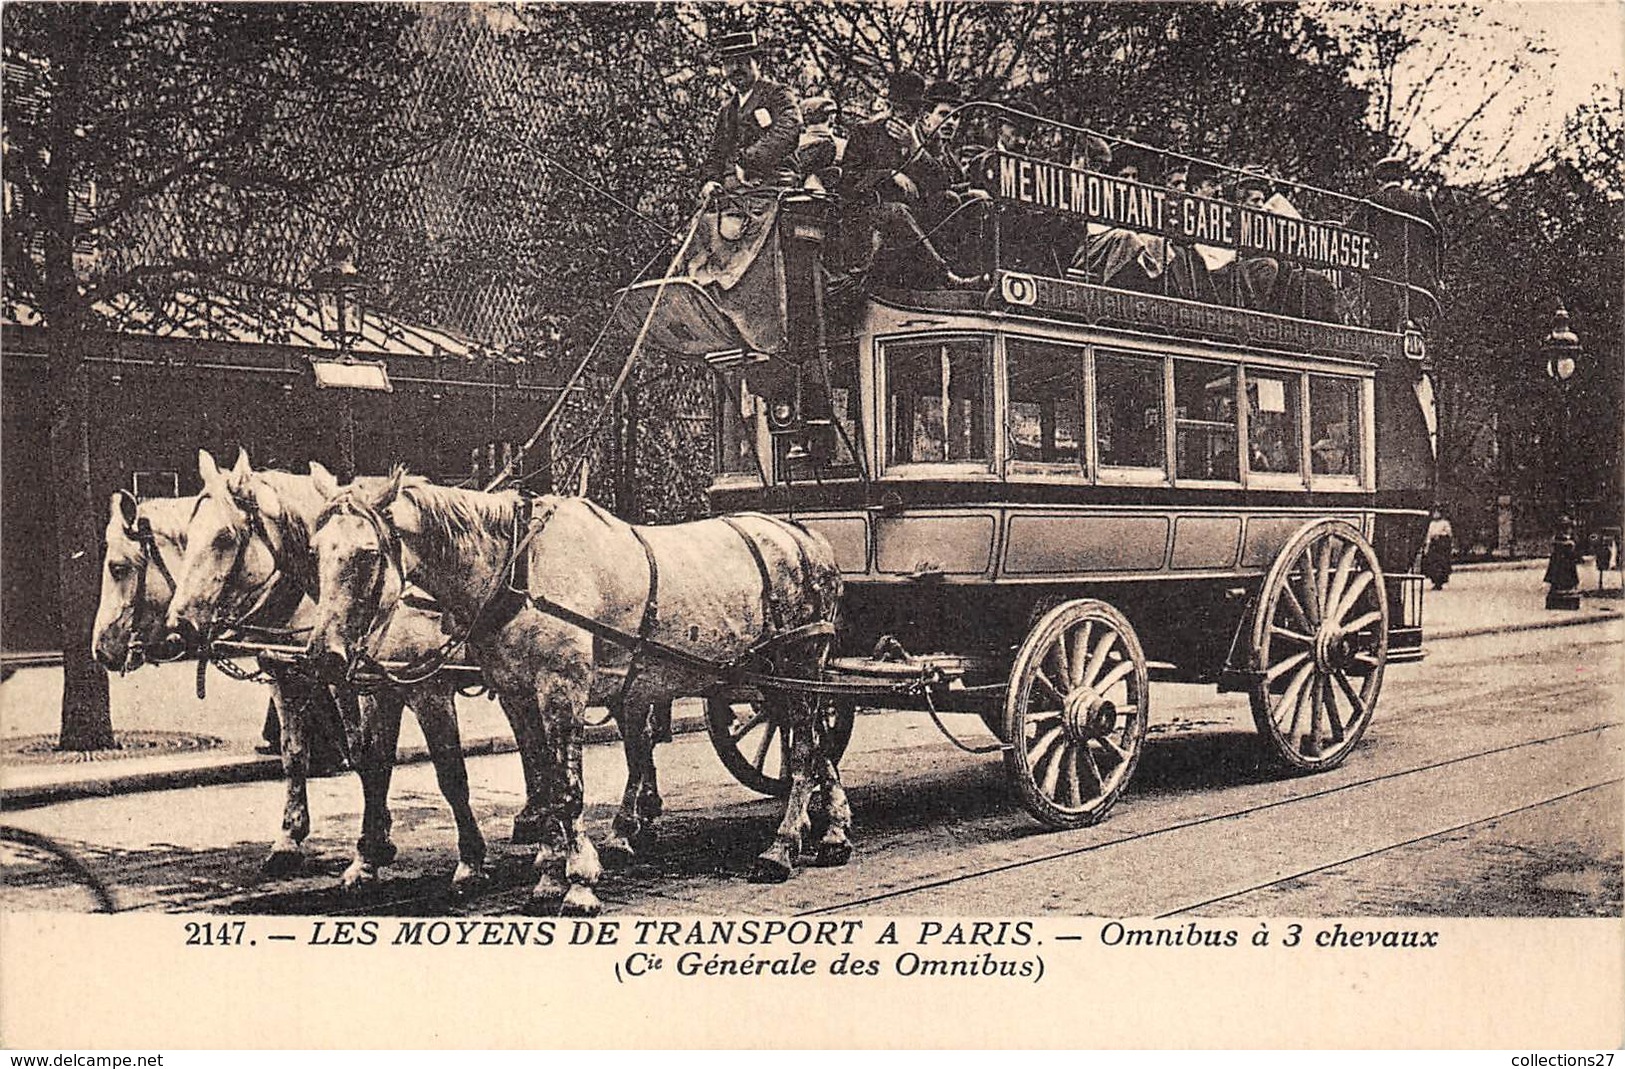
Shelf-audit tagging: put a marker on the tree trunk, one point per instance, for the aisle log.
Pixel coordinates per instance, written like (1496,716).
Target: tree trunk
(87,720)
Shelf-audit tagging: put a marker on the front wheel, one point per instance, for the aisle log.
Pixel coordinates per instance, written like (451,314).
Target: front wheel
(754,745)
(1075,713)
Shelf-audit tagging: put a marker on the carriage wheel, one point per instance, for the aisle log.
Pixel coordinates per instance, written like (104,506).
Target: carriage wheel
(754,745)
(1075,713)
(1319,644)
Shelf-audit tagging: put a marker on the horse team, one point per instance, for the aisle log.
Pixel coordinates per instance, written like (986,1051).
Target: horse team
(560,605)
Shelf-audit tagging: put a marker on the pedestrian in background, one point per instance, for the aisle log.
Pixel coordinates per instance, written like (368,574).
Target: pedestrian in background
(1441,541)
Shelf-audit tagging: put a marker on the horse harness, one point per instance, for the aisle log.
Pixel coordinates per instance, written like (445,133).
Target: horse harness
(643,644)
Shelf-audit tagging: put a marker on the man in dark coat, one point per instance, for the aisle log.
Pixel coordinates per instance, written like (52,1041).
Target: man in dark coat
(757,130)
(891,176)
(1406,250)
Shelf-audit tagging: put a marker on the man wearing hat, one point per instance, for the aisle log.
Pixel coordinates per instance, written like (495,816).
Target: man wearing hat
(757,129)
(1406,250)
(890,175)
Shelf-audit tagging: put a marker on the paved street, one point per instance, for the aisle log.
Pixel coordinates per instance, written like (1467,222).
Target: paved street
(1488,785)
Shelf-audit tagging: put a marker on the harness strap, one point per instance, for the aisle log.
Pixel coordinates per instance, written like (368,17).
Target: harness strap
(796,531)
(651,617)
(774,613)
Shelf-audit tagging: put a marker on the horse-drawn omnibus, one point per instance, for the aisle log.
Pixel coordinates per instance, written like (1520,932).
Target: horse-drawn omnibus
(1046,492)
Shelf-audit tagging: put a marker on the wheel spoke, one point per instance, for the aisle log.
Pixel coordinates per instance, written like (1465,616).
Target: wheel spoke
(1370,663)
(1041,747)
(1306,584)
(1363,621)
(742,728)
(1293,635)
(1340,581)
(1292,697)
(1048,773)
(1295,607)
(1352,594)
(1074,786)
(1355,700)
(1323,576)
(761,751)
(1080,646)
(1334,720)
(1285,665)
(1317,713)
(1115,676)
(1063,664)
(1110,748)
(1097,660)
(1041,681)
(1091,770)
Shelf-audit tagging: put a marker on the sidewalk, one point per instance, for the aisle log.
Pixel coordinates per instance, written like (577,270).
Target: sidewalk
(172,739)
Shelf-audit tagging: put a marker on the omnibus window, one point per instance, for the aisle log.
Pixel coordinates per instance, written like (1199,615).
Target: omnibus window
(737,412)
(1334,425)
(1205,420)
(1128,411)
(1273,426)
(1046,404)
(936,401)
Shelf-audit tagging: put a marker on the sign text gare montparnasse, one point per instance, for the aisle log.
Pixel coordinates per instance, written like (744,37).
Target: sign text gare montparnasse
(1180,216)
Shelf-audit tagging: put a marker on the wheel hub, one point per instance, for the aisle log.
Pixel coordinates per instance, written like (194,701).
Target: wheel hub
(1086,715)
(1332,649)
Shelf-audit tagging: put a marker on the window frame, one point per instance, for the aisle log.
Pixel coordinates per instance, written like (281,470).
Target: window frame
(1275,480)
(1040,471)
(1237,402)
(1362,455)
(972,470)
(1127,474)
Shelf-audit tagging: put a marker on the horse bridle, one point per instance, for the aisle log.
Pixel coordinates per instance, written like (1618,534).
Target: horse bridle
(525,528)
(258,597)
(389,555)
(141,534)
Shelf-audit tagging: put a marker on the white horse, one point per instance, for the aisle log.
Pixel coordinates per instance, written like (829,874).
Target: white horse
(247,533)
(144,544)
(550,593)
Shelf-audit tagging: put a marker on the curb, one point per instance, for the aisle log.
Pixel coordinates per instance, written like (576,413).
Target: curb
(1535,625)
(258,769)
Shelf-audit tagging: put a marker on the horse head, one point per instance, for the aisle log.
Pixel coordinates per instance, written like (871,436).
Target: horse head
(359,573)
(137,583)
(232,558)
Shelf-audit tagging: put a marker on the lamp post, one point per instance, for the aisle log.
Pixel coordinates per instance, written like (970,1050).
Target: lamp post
(339,291)
(1561,350)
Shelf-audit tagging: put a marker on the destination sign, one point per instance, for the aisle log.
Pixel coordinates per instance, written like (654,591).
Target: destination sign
(1100,304)
(1182,217)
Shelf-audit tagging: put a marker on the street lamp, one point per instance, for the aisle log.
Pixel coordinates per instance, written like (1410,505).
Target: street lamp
(339,291)
(1562,351)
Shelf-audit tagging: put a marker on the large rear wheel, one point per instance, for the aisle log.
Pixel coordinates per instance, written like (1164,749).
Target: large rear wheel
(1075,713)
(1319,645)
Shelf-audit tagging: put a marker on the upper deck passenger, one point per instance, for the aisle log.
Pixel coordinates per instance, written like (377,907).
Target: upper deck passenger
(754,142)
(890,176)
(1407,252)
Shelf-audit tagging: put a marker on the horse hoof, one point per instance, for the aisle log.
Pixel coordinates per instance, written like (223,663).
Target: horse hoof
(833,855)
(526,832)
(617,852)
(770,869)
(359,875)
(379,854)
(283,863)
(580,901)
(468,879)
